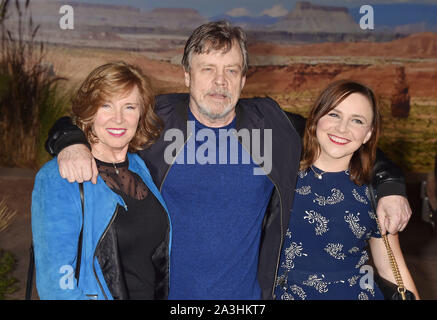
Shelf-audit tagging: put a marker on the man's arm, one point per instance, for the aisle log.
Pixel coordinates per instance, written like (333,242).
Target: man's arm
(393,208)
(63,134)
(69,143)
(387,177)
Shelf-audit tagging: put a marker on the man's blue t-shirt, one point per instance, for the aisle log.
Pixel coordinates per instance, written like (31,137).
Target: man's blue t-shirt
(216,211)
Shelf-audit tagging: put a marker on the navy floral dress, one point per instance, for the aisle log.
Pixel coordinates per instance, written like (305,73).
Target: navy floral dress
(324,253)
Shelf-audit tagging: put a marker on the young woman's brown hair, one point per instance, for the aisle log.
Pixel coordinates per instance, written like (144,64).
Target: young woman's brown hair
(361,164)
(109,80)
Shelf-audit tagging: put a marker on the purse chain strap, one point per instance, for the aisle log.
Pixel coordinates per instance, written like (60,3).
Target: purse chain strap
(393,264)
(391,257)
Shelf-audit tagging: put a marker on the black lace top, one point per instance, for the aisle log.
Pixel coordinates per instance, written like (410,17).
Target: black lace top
(140,229)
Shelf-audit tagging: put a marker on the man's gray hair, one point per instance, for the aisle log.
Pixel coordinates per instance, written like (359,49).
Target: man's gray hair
(217,35)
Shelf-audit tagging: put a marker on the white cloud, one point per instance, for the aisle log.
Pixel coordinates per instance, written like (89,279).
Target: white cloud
(238,12)
(275,11)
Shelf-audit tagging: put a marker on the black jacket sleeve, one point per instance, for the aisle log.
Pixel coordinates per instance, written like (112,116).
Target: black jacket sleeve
(63,134)
(387,177)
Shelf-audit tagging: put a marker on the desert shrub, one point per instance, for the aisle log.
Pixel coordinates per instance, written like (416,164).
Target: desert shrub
(30,100)
(8,284)
(6,215)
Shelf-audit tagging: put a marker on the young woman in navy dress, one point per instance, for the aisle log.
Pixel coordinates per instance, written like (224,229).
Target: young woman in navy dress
(332,222)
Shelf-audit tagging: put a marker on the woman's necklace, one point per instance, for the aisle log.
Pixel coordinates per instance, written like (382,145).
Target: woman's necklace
(318,175)
(116,170)
(109,161)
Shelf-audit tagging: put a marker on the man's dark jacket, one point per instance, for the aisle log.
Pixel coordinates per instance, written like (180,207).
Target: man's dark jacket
(253,113)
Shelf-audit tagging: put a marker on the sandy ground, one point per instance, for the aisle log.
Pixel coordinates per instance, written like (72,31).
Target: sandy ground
(418,241)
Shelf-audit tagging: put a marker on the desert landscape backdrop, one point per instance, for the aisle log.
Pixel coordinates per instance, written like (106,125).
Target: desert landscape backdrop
(291,59)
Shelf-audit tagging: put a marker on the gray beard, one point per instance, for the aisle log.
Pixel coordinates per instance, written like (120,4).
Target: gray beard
(215,116)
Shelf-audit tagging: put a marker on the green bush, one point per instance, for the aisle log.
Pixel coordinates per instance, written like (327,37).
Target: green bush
(8,284)
(7,261)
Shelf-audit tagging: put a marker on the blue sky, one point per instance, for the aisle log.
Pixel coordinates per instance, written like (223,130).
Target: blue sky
(210,8)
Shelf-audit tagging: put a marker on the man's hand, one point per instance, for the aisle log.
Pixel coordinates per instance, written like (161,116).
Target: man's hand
(393,213)
(76,163)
